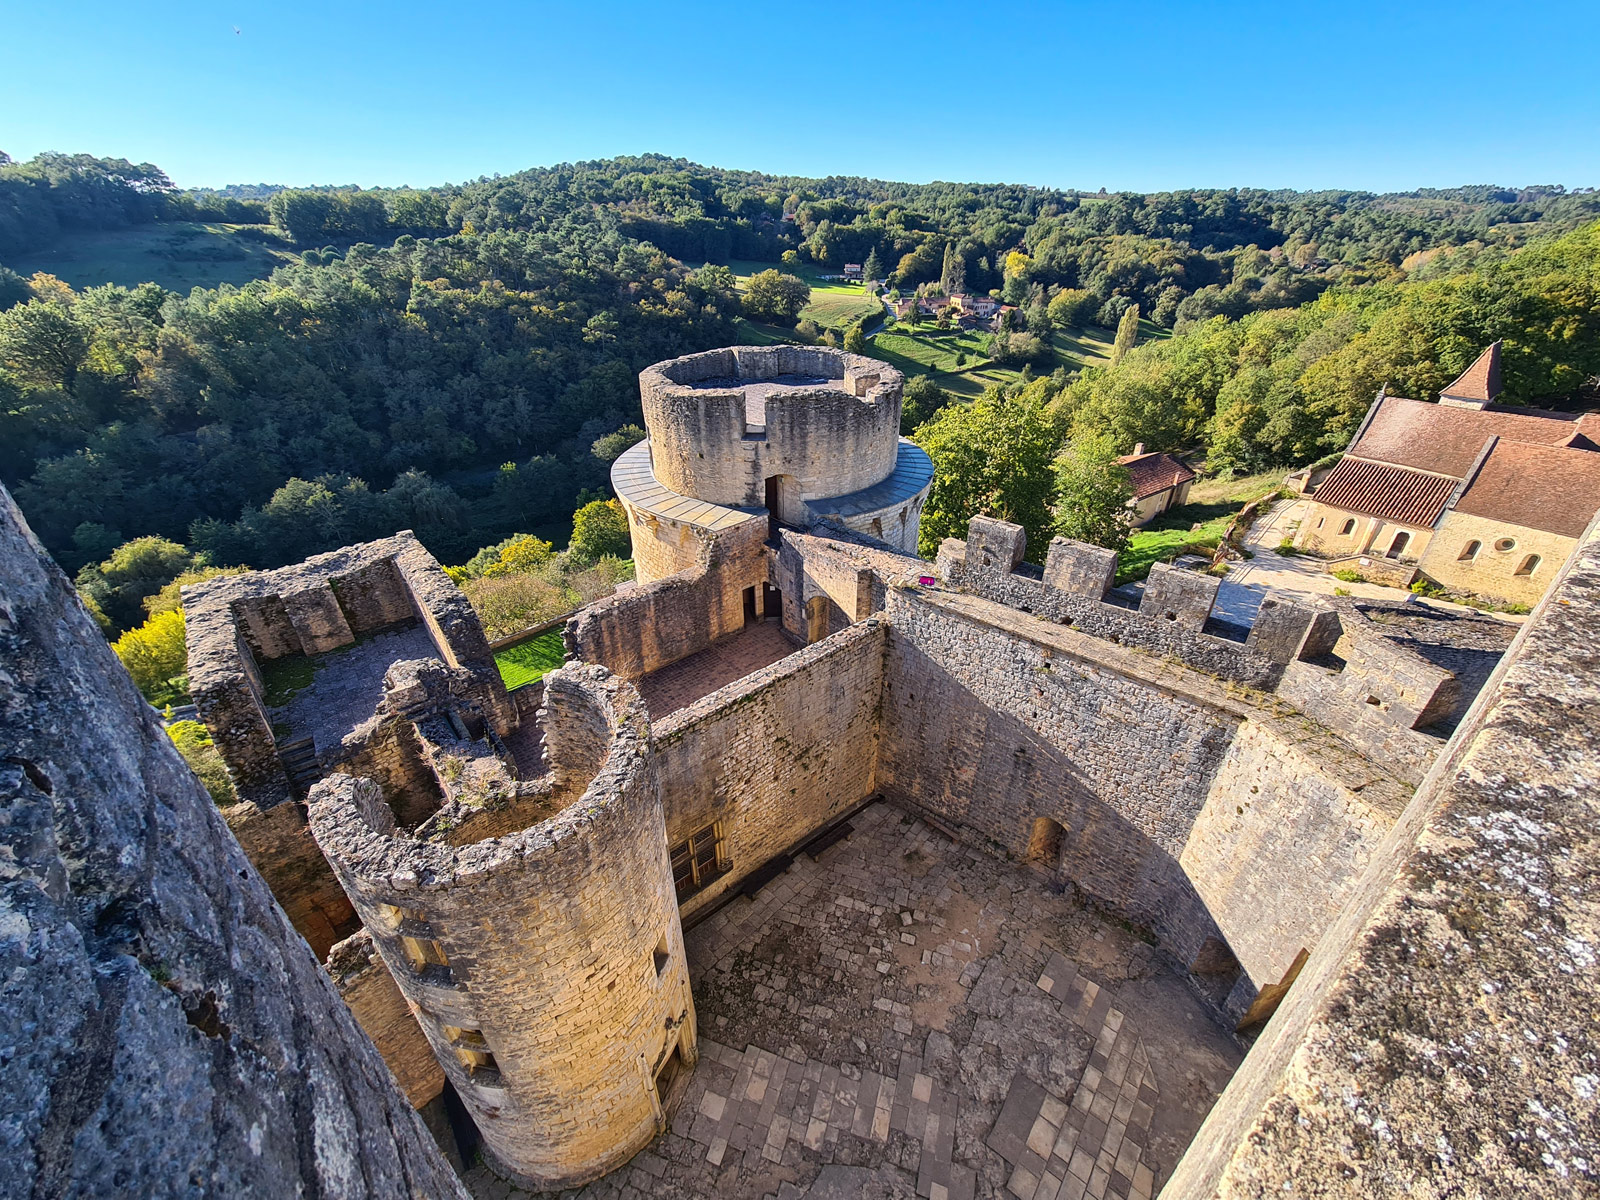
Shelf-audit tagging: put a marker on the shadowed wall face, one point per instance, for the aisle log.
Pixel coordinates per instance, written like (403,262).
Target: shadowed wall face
(165,1030)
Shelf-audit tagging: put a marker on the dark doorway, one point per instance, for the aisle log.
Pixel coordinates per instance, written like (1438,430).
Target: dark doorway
(750,605)
(1398,546)
(774,497)
(771,602)
(1044,843)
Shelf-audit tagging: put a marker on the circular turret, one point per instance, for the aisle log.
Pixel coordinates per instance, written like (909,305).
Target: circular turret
(538,942)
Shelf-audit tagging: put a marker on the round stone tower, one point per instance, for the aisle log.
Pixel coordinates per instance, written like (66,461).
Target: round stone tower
(792,433)
(537,938)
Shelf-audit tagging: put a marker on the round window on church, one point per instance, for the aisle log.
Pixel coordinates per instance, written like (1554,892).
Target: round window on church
(1506,544)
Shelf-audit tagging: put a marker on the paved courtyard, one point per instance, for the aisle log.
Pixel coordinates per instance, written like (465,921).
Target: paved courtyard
(719,664)
(907,1017)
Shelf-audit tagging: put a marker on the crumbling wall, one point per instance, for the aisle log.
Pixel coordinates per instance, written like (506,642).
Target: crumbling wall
(778,755)
(165,1031)
(365,984)
(555,952)
(655,624)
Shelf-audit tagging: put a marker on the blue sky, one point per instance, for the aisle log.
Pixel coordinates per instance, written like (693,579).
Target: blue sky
(1141,96)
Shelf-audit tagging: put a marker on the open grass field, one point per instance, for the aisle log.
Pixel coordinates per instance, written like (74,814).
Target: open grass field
(1213,503)
(530,661)
(834,305)
(179,255)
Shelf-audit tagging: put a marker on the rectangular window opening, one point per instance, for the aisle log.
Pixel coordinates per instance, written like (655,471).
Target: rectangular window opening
(472,1050)
(662,955)
(698,860)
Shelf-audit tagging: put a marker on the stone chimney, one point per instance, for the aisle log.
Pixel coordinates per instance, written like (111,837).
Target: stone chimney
(1138,450)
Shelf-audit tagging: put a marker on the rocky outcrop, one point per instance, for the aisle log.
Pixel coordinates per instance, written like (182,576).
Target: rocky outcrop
(163,1029)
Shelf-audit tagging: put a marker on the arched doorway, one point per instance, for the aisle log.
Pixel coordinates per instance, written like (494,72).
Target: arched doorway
(1045,842)
(1398,546)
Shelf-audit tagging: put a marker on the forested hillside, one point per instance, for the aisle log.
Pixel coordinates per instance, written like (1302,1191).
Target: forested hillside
(446,358)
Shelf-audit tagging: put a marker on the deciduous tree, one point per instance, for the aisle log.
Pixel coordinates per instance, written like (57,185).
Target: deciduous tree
(1092,493)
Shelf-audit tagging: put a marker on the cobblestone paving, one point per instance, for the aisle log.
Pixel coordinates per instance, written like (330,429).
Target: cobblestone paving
(719,664)
(907,1017)
(348,685)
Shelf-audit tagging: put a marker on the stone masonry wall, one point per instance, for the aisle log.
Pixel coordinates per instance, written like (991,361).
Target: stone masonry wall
(1288,827)
(993,720)
(832,439)
(280,846)
(164,1031)
(1441,1040)
(1095,617)
(776,756)
(562,941)
(366,986)
(655,624)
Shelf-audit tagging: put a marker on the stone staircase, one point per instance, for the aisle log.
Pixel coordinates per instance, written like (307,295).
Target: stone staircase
(301,764)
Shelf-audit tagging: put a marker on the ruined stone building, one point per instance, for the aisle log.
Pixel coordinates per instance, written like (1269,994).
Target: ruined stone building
(1344,833)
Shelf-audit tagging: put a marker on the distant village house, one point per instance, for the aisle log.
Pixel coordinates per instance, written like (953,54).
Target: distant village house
(1480,497)
(1160,482)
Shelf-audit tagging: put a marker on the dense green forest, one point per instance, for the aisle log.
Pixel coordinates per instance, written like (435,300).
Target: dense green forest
(448,358)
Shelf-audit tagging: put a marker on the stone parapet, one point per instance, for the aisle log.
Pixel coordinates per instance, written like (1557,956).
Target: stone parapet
(723,422)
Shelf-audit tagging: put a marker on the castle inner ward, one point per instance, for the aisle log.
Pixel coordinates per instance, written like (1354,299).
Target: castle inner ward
(819,866)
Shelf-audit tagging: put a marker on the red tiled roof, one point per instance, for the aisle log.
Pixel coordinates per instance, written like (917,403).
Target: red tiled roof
(1538,487)
(1394,493)
(1480,381)
(1153,473)
(1447,440)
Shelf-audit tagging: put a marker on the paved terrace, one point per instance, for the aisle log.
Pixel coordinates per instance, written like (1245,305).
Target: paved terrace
(727,659)
(906,1017)
(346,685)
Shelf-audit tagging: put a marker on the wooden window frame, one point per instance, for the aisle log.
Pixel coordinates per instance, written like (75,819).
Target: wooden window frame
(699,860)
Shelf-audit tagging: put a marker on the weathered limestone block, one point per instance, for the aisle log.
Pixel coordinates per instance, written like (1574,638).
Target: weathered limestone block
(1283,627)
(164,1030)
(994,545)
(1183,597)
(1080,568)
(315,614)
(384,1016)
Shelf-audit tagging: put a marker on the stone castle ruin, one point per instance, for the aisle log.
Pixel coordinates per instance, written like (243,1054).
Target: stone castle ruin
(1354,834)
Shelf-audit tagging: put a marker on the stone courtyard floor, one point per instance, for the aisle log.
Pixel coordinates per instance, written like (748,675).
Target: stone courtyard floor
(909,1017)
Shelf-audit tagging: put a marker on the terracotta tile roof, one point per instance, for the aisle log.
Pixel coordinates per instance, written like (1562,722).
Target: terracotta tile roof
(1154,473)
(1447,441)
(1481,381)
(1380,490)
(1552,488)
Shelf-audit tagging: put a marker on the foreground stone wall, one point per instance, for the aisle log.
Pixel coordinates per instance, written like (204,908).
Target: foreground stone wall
(554,951)
(165,1031)
(994,721)
(1441,1040)
(776,756)
(655,624)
